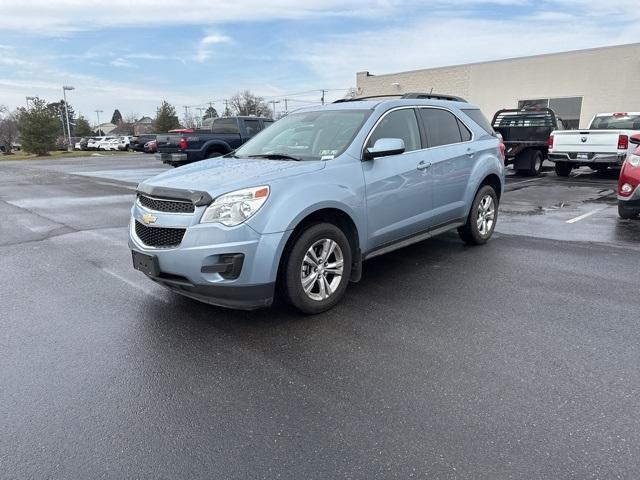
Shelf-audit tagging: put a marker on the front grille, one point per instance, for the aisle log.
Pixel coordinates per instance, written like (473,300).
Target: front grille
(170,206)
(159,237)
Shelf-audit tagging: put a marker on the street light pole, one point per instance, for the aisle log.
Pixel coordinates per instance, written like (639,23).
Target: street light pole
(29,98)
(66,110)
(98,112)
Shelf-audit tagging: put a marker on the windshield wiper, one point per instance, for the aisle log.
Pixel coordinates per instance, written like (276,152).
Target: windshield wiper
(275,156)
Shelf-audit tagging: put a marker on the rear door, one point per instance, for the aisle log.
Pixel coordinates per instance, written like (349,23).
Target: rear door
(397,187)
(451,154)
(228,131)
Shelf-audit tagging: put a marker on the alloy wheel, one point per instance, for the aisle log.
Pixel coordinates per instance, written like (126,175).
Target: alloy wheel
(322,269)
(486,215)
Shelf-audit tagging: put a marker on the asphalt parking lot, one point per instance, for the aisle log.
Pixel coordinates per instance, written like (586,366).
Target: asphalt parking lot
(518,359)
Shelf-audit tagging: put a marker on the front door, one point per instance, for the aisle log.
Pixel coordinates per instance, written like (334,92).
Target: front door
(397,187)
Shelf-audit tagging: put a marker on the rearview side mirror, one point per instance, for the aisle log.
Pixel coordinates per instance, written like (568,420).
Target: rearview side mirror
(385,147)
(635,139)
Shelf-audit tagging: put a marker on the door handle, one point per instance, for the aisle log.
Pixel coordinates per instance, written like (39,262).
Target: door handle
(423,165)
(470,152)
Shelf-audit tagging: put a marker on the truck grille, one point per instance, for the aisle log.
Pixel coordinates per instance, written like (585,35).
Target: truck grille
(169,206)
(159,237)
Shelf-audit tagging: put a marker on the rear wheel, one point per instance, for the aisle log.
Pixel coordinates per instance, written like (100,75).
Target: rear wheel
(563,169)
(317,269)
(482,218)
(627,212)
(532,161)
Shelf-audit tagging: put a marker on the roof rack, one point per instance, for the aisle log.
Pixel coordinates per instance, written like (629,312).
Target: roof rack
(412,95)
(433,96)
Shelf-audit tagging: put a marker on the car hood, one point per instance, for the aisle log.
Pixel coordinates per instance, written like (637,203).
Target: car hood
(221,175)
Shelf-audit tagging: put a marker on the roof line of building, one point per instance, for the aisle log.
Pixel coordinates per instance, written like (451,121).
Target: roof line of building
(508,59)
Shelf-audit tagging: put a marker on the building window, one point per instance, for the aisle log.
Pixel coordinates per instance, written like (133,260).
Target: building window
(567,108)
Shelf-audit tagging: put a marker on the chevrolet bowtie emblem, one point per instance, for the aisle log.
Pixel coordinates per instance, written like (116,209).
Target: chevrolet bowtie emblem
(148,219)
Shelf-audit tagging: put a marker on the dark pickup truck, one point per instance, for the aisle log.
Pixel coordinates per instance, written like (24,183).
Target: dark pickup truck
(526,133)
(219,137)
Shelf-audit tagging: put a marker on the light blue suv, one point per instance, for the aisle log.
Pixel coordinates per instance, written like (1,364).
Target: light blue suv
(298,208)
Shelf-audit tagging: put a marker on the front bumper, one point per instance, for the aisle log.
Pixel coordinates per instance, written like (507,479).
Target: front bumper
(193,267)
(591,158)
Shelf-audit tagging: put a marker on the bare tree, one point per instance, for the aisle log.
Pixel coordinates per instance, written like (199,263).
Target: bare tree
(247,103)
(8,129)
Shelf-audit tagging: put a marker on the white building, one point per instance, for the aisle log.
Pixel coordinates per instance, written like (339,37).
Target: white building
(577,84)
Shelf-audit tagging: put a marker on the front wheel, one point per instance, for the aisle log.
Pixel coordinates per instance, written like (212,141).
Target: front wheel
(563,169)
(317,269)
(482,218)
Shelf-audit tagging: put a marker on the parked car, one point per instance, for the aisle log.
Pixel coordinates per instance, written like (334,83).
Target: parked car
(224,135)
(124,143)
(110,144)
(526,134)
(151,146)
(94,143)
(629,182)
(603,145)
(302,204)
(137,141)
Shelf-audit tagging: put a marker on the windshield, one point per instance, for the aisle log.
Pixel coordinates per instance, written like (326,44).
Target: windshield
(616,122)
(319,135)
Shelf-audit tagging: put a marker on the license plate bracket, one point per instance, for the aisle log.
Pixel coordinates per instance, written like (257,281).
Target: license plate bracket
(147,264)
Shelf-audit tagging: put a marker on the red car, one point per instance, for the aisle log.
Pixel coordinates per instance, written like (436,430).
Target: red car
(151,146)
(629,183)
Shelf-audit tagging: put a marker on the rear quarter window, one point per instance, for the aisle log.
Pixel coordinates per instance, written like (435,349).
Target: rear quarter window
(478,117)
(225,125)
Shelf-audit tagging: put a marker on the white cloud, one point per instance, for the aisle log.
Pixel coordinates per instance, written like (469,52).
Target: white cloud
(204,46)
(46,17)
(121,63)
(446,39)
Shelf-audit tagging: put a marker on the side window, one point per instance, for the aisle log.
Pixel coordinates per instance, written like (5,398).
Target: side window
(399,124)
(225,125)
(252,126)
(441,126)
(464,131)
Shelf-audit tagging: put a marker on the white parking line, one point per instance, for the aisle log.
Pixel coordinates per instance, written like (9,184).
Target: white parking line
(582,217)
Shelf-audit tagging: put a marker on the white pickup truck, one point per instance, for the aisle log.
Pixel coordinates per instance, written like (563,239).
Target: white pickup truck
(604,144)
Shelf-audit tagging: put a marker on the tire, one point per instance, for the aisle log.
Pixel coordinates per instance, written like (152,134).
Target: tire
(625,212)
(477,230)
(213,154)
(299,269)
(563,169)
(533,159)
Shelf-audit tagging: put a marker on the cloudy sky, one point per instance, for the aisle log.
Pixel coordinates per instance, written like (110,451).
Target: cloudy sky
(129,54)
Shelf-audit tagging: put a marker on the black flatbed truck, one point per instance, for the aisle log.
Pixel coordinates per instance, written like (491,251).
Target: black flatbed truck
(525,133)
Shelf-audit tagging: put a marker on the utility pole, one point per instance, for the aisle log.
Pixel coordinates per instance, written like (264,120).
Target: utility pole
(286,107)
(64,93)
(98,112)
(273,102)
(199,121)
(322,98)
(226,107)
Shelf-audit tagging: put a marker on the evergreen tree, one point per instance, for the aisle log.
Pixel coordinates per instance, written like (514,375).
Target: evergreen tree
(116,118)
(210,113)
(166,118)
(39,127)
(82,127)
(57,109)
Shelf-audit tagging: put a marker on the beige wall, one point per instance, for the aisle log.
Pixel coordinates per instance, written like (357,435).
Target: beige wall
(608,79)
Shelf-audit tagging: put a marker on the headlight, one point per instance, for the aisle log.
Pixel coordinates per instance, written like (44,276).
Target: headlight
(633,160)
(233,208)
